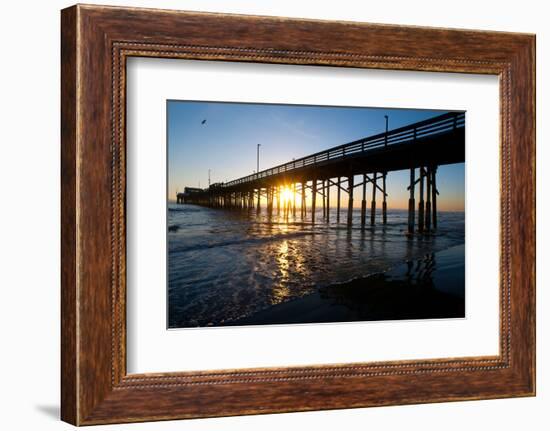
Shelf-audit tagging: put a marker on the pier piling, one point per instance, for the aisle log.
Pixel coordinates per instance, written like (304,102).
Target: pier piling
(434,197)
(350,200)
(373,203)
(324,199)
(294,200)
(364,201)
(384,203)
(428,221)
(421,200)
(313,199)
(328,201)
(303,208)
(411,204)
(338,203)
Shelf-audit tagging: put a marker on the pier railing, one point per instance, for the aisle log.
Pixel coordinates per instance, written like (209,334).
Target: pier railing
(410,133)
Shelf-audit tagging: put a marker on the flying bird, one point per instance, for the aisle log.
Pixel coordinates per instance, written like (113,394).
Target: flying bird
(203,121)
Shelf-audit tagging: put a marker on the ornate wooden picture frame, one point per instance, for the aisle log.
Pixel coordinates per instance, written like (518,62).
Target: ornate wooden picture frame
(96,41)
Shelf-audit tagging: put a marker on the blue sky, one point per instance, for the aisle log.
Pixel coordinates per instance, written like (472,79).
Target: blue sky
(226,143)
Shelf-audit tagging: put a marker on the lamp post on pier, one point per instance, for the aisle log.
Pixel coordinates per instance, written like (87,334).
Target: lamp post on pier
(386,137)
(258,158)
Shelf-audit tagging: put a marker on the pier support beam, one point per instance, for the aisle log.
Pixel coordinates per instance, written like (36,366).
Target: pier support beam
(384,203)
(269,192)
(323,194)
(364,202)
(328,200)
(411,204)
(338,204)
(303,207)
(421,201)
(350,200)
(434,197)
(294,200)
(373,203)
(313,199)
(428,221)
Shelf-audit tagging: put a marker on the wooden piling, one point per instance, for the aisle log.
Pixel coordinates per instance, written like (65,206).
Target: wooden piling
(323,193)
(373,203)
(313,199)
(421,201)
(338,204)
(434,197)
(258,200)
(364,202)
(289,205)
(294,200)
(411,204)
(278,198)
(428,221)
(384,203)
(350,200)
(328,200)
(303,208)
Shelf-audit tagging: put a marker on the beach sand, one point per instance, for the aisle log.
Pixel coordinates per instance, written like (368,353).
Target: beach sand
(430,288)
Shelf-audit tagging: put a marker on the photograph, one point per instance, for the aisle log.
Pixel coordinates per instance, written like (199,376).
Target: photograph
(282,214)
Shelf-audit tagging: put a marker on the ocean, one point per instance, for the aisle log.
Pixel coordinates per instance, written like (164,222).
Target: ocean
(227,266)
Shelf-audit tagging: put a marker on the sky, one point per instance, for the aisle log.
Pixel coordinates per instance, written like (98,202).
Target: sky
(226,144)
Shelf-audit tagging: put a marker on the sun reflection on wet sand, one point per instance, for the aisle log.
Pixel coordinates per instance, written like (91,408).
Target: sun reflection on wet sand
(224,266)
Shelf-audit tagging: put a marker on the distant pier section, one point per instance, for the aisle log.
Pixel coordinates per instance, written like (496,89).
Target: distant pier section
(188,195)
(420,148)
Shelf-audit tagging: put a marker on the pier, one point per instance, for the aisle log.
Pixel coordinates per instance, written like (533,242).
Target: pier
(420,148)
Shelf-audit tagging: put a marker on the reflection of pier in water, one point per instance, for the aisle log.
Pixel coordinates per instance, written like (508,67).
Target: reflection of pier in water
(421,147)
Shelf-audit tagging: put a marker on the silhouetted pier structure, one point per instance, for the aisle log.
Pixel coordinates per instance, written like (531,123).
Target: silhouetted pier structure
(420,147)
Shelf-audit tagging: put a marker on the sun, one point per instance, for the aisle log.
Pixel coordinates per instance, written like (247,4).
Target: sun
(286,194)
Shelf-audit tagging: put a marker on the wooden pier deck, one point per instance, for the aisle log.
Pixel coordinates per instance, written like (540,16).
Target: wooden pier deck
(420,147)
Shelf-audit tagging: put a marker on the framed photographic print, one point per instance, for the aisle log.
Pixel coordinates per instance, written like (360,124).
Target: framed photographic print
(279,215)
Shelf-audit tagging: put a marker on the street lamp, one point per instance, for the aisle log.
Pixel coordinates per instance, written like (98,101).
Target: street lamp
(258,158)
(386,137)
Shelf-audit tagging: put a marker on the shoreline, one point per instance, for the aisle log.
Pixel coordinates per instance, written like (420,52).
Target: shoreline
(432,287)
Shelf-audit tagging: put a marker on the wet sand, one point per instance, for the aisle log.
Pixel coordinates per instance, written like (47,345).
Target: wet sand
(428,288)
